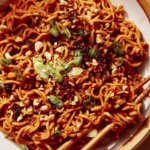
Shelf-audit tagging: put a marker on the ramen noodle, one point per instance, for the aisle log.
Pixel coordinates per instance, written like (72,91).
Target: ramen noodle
(67,66)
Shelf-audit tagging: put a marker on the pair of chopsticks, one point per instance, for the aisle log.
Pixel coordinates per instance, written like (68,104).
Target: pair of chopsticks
(93,142)
(71,142)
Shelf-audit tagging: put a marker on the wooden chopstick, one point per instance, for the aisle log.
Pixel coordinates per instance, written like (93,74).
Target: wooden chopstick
(72,141)
(92,143)
(143,95)
(142,83)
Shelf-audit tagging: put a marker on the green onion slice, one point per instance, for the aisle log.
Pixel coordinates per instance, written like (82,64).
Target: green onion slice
(56,101)
(18,72)
(5,62)
(118,48)
(57,76)
(83,32)
(119,61)
(89,103)
(64,67)
(93,52)
(46,70)
(54,73)
(53,24)
(66,31)
(57,132)
(77,57)
(38,59)
(23,147)
(40,68)
(54,30)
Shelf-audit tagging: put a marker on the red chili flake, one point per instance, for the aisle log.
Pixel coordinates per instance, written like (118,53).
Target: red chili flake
(62,93)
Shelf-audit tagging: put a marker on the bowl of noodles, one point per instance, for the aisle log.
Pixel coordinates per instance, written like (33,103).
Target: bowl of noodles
(74,74)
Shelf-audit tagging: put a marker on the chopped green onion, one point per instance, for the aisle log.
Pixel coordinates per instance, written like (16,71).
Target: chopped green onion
(57,132)
(41,70)
(2,85)
(53,24)
(56,101)
(64,67)
(66,31)
(5,62)
(119,61)
(18,72)
(93,52)
(50,68)
(57,76)
(54,32)
(77,57)
(83,32)
(54,73)
(37,59)
(118,48)
(23,147)
(88,103)
(44,70)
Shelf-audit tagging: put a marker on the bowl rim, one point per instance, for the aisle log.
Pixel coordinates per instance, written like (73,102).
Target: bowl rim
(139,137)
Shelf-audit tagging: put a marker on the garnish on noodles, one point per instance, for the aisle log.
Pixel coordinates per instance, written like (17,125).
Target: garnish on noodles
(68,66)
